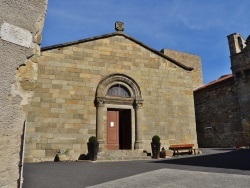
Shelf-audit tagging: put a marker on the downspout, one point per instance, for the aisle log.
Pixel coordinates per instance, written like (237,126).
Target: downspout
(22,156)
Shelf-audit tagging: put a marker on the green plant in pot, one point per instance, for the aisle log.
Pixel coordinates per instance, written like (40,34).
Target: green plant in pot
(156,146)
(93,146)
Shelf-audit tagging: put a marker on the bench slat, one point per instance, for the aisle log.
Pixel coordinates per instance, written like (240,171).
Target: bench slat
(178,147)
(182,146)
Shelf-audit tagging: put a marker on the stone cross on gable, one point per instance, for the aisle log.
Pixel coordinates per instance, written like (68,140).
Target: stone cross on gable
(119,26)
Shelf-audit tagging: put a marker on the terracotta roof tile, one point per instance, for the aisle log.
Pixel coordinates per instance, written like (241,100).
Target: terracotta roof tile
(215,82)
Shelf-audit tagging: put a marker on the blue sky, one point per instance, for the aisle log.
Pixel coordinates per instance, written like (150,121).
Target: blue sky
(198,27)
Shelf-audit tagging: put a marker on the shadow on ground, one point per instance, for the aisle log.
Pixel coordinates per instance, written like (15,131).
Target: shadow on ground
(83,174)
(234,159)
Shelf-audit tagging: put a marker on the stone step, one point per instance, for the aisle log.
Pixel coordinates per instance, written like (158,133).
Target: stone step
(122,155)
(122,158)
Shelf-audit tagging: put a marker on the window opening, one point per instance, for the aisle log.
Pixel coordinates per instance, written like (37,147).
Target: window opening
(240,43)
(118,91)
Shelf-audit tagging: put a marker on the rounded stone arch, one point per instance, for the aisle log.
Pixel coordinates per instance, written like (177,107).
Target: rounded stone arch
(122,79)
(135,99)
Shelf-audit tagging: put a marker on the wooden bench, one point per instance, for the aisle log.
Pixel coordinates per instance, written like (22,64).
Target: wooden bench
(177,147)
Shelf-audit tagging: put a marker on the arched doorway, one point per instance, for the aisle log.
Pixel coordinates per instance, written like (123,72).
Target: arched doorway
(119,106)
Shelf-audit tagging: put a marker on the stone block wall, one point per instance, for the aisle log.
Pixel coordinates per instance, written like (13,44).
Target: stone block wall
(21,24)
(188,60)
(63,114)
(244,101)
(222,107)
(217,113)
(240,62)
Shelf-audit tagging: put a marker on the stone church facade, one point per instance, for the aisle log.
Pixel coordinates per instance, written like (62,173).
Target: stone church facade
(222,107)
(116,88)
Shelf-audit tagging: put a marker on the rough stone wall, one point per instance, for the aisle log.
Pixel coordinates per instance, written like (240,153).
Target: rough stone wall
(188,60)
(217,113)
(63,114)
(244,101)
(21,24)
(240,62)
(223,107)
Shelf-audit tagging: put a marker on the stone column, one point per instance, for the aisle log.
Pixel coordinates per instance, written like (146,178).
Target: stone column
(138,124)
(99,123)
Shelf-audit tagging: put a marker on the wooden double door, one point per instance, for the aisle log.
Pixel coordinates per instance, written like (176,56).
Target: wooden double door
(119,134)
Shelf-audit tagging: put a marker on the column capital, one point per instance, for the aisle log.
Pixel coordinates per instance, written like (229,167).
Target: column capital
(138,104)
(99,102)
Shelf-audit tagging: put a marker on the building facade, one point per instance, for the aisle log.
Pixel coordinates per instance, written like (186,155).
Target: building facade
(21,25)
(222,107)
(112,86)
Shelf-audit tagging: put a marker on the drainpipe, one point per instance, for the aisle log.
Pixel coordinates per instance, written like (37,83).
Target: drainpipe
(22,156)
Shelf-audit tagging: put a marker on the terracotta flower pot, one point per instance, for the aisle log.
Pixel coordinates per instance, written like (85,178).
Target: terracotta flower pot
(169,153)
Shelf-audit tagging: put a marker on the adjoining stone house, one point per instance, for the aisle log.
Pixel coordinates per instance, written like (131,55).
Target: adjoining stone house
(222,107)
(115,87)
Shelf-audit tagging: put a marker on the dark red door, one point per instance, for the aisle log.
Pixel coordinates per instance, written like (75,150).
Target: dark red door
(113,130)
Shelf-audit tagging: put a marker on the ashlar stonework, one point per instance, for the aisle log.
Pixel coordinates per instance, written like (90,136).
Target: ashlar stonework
(111,86)
(188,60)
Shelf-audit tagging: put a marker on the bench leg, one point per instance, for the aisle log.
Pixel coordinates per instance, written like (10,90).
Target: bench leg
(194,151)
(177,153)
(190,152)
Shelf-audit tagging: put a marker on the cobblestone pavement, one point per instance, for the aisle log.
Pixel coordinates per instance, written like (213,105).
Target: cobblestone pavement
(214,168)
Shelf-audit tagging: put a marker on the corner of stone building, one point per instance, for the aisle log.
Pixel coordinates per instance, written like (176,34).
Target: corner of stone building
(240,66)
(20,39)
(26,73)
(190,60)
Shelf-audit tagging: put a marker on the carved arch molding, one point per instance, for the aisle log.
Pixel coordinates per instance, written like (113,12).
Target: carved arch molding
(134,99)
(113,79)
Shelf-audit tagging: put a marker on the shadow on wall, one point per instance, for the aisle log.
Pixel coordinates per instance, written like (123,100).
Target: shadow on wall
(235,159)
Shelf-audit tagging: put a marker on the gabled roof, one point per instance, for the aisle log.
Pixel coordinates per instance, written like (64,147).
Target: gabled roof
(125,36)
(217,82)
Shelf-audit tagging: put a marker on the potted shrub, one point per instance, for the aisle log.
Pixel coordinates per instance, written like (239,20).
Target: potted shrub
(156,145)
(93,148)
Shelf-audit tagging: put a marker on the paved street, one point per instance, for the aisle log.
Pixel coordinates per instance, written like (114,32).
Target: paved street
(179,178)
(215,168)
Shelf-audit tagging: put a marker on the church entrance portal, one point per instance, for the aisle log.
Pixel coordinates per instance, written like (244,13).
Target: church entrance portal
(113,90)
(119,129)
